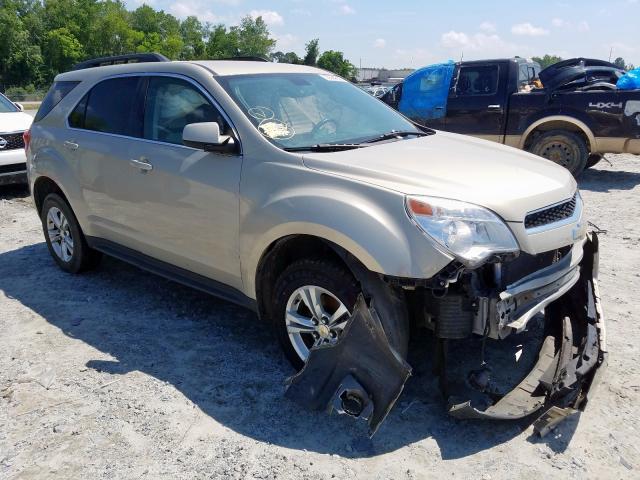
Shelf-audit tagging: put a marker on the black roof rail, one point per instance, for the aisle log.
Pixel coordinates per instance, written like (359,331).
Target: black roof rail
(248,58)
(120,59)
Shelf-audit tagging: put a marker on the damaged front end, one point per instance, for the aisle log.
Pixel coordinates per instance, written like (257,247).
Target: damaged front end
(362,375)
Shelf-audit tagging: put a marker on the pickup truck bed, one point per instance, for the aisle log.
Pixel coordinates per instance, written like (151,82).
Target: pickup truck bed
(572,124)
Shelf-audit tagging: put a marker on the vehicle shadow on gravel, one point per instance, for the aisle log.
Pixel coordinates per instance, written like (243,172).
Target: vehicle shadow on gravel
(607,180)
(223,359)
(11,192)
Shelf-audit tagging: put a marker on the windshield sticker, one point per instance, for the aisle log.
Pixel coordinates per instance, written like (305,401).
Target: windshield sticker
(261,113)
(276,129)
(332,78)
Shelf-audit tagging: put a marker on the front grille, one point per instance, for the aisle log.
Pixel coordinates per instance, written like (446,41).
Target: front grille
(552,214)
(13,141)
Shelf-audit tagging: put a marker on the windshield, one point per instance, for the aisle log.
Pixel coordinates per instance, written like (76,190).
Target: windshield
(304,109)
(6,105)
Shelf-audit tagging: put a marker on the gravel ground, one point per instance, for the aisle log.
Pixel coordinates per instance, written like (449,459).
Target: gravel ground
(121,374)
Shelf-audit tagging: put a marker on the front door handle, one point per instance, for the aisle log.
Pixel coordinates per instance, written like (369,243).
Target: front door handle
(70,145)
(494,107)
(141,164)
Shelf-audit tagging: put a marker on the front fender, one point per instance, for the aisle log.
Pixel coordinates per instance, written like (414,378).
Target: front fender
(368,222)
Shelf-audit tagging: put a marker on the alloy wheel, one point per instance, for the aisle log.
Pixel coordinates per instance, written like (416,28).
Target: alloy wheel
(59,232)
(314,317)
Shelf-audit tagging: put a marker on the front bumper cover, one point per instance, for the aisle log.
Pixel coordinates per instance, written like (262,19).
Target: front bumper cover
(363,376)
(570,361)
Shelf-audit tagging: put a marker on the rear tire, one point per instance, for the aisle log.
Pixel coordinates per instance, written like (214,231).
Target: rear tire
(566,148)
(65,240)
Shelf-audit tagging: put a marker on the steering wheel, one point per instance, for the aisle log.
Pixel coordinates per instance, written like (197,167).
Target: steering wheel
(322,123)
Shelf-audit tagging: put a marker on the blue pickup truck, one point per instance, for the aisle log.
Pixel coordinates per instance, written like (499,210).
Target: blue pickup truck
(571,112)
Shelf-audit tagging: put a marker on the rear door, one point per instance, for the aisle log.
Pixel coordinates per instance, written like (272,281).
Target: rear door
(477,102)
(144,189)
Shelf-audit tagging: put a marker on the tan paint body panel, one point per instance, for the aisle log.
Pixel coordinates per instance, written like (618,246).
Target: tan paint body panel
(223,212)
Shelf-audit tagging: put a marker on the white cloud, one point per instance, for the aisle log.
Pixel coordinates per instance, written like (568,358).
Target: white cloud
(583,26)
(488,27)
(529,30)
(380,43)
(558,22)
(287,42)
(183,10)
(270,17)
(453,39)
(481,44)
(346,10)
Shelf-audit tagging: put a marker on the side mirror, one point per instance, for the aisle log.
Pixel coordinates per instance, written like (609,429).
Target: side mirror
(206,136)
(19,105)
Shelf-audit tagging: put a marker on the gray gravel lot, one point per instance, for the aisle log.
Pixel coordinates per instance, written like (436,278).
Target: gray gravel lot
(121,374)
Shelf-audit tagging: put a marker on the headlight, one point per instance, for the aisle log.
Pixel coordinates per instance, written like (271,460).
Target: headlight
(469,232)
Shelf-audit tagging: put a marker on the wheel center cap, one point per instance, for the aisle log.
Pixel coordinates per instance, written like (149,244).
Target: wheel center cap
(324,331)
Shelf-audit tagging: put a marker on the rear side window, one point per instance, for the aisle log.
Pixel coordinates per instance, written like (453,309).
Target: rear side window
(54,96)
(112,106)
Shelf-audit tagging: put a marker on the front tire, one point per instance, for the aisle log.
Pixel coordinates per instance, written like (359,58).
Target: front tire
(314,299)
(65,240)
(566,148)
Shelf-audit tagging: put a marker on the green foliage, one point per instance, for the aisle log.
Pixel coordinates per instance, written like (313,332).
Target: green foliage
(312,51)
(41,38)
(336,63)
(547,60)
(619,62)
(289,57)
(253,37)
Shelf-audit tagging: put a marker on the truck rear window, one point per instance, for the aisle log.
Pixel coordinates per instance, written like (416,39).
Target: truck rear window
(56,93)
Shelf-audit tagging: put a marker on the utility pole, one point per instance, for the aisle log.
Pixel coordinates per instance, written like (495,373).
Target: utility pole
(610,54)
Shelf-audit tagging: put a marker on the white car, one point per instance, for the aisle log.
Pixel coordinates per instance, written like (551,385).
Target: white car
(13,160)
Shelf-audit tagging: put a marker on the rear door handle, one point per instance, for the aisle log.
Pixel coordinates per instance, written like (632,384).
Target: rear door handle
(494,107)
(141,164)
(70,145)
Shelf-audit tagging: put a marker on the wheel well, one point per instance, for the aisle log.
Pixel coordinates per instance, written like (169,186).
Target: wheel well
(284,252)
(557,125)
(43,187)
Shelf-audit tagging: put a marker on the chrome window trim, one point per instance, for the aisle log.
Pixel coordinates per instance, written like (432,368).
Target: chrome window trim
(577,213)
(190,80)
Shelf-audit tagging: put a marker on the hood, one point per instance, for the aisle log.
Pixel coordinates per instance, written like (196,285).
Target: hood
(506,180)
(14,122)
(577,72)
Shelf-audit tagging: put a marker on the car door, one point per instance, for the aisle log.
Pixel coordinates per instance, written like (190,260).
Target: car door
(190,198)
(475,105)
(423,97)
(148,192)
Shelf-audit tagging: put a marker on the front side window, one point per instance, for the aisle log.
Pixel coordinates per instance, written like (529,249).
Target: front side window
(6,105)
(297,110)
(480,80)
(173,103)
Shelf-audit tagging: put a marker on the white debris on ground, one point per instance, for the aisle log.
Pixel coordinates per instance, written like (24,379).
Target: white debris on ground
(121,374)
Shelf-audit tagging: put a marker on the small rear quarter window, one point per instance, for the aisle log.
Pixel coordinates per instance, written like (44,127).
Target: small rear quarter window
(56,93)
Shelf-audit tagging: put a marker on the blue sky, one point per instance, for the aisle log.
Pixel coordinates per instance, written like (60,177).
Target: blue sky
(413,33)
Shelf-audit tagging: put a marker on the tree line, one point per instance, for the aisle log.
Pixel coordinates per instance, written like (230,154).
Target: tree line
(41,38)
(548,60)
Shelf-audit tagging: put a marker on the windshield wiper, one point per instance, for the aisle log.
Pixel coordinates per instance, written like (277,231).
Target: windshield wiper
(326,147)
(396,134)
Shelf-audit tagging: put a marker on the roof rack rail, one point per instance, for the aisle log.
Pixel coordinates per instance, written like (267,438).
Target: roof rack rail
(248,58)
(120,59)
